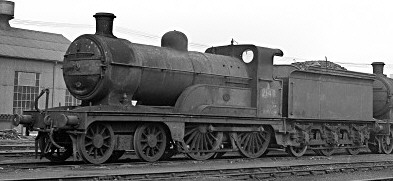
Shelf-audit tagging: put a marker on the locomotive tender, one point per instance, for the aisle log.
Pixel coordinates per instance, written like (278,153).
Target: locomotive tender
(205,104)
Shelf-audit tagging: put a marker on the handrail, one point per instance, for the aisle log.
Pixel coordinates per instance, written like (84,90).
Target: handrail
(46,90)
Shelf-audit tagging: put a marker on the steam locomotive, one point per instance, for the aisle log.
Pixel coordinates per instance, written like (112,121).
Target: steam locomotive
(206,104)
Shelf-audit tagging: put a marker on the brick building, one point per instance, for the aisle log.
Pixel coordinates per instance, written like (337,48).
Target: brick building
(29,62)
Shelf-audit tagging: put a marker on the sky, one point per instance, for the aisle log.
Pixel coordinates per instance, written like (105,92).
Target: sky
(353,33)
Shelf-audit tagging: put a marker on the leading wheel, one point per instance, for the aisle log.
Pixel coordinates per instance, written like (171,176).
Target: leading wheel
(296,151)
(252,144)
(51,152)
(150,142)
(201,142)
(97,145)
(387,143)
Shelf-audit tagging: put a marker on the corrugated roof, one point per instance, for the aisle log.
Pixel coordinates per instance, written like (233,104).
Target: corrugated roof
(29,44)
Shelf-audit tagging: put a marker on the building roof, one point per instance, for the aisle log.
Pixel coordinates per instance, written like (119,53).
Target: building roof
(29,44)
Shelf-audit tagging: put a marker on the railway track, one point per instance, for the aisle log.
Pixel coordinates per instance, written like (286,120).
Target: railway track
(18,153)
(15,150)
(16,147)
(232,169)
(380,179)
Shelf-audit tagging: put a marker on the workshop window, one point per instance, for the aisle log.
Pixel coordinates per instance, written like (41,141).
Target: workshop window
(26,89)
(71,100)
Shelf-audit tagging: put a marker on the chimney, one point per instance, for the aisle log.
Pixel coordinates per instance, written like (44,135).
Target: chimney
(6,14)
(104,24)
(378,67)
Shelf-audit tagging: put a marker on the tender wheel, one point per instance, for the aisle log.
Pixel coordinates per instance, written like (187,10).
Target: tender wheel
(387,143)
(252,144)
(53,153)
(201,142)
(296,151)
(326,152)
(150,142)
(353,151)
(96,146)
